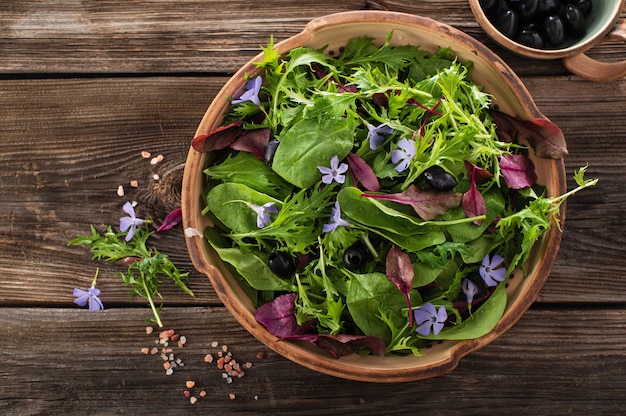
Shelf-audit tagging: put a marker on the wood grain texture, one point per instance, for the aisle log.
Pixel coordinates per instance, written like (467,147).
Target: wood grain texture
(545,360)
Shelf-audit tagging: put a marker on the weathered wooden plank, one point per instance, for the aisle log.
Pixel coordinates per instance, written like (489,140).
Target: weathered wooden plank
(66,145)
(185,36)
(73,362)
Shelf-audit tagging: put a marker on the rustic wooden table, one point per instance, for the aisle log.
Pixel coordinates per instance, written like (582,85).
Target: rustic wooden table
(86,86)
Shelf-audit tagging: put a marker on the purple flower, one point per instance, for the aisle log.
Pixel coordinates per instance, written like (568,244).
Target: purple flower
(403,155)
(427,317)
(90,295)
(492,270)
(374,134)
(263,213)
(335,220)
(470,289)
(335,172)
(252,92)
(131,222)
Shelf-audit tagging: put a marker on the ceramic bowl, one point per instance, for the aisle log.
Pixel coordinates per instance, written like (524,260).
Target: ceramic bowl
(510,95)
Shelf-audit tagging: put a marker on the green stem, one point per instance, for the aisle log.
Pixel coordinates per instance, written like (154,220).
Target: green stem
(152,305)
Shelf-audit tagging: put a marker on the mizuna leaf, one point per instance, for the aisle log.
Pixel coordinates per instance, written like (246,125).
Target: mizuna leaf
(399,271)
(545,137)
(363,173)
(343,344)
(220,138)
(518,171)
(428,204)
(253,141)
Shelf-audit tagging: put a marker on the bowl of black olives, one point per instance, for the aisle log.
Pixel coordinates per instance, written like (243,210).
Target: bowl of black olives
(554,29)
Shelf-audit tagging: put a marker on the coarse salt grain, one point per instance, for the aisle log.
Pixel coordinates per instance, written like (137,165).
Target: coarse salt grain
(156,177)
(120,190)
(208,358)
(231,396)
(169,372)
(260,354)
(145,154)
(157,159)
(149,330)
(214,344)
(193,400)
(202,393)
(134,184)
(145,350)
(190,384)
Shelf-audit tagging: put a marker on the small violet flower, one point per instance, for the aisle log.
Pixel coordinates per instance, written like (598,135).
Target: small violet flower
(403,155)
(470,289)
(428,318)
(252,92)
(374,134)
(90,295)
(335,220)
(335,172)
(131,222)
(492,270)
(263,213)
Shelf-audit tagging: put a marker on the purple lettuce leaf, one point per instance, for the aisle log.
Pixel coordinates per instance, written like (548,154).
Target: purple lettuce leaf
(518,171)
(481,175)
(473,201)
(171,220)
(428,204)
(279,317)
(220,138)
(545,137)
(363,173)
(399,271)
(252,141)
(343,344)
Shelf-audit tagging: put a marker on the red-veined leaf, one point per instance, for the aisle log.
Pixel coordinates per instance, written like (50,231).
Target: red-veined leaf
(518,171)
(399,271)
(343,344)
(428,204)
(253,141)
(545,137)
(363,172)
(220,138)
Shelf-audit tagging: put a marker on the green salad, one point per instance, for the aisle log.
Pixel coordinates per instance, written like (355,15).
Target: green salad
(373,199)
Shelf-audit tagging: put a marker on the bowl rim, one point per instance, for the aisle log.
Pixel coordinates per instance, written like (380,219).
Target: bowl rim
(523,50)
(296,351)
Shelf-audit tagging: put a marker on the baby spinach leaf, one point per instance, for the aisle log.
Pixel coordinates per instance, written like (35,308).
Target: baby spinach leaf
(228,202)
(311,143)
(369,293)
(252,266)
(246,169)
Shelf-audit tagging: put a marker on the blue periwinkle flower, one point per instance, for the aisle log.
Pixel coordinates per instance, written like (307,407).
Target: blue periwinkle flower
(428,318)
(492,270)
(335,220)
(374,134)
(335,172)
(403,155)
(131,222)
(263,213)
(252,92)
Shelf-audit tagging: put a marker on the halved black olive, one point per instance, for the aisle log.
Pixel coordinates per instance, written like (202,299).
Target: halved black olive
(281,263)
(438,178)
(270,150)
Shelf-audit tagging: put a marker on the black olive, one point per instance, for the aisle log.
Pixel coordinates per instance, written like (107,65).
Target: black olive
(583,5)
(488,5)
(281,264)
(270,150)
(548,7)
(553,30)
(527,9)
(438,178)
(354,257)
(574,21)
(530,37)
(507,23)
